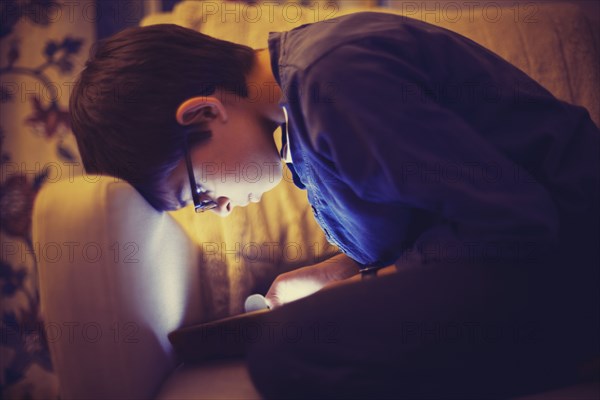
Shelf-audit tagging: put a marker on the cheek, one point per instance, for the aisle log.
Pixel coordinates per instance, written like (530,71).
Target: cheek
(258,177)
(260,170)
(246,164)
(251,177)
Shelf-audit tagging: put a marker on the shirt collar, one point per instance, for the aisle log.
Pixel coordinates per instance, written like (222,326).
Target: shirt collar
(285,152)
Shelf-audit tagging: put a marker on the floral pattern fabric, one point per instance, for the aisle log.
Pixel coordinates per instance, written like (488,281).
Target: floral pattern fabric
(42,47)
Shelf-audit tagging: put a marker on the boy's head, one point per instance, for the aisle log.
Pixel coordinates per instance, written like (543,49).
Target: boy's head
(127,101)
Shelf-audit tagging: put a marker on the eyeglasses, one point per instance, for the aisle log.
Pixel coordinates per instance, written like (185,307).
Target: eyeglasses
(197,190)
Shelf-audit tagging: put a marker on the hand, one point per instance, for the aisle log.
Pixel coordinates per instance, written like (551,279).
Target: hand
(305,281)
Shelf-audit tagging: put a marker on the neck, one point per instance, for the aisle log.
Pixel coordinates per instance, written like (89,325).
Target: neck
(262,77)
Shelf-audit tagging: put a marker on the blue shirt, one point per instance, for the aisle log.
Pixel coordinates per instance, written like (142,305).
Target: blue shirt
(409,137)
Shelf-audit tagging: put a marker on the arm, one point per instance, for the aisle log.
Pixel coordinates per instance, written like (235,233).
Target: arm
(384,144)
(380,141)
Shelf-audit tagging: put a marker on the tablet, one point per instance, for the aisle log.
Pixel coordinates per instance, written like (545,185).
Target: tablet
(223,338)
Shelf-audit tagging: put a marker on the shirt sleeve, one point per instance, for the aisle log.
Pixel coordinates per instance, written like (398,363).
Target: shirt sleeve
(368,117)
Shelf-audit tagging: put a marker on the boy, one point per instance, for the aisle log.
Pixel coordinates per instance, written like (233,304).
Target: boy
(424,156)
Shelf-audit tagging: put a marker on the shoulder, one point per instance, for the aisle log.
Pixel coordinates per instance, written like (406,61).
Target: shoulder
(306,45)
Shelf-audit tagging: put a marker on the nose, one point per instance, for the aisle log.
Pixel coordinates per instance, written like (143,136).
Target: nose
(223,207)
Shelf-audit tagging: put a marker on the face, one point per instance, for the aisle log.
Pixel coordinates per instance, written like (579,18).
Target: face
(238,164)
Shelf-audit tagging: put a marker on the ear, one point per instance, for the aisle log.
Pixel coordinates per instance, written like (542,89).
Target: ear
(198,108)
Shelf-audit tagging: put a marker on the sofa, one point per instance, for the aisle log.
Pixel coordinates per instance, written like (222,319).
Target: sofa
(116,276)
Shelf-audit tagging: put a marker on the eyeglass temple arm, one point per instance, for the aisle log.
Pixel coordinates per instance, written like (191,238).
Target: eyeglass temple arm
(193,184)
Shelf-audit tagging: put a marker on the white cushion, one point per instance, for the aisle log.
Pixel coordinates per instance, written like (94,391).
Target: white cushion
(115,278)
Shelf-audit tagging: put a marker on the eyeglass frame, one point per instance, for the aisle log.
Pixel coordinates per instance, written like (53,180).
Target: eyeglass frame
(200,206)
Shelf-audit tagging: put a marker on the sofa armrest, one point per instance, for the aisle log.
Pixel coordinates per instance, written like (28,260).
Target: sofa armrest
(115,277)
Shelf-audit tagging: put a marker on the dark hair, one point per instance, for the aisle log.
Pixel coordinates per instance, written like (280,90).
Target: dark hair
(124,103)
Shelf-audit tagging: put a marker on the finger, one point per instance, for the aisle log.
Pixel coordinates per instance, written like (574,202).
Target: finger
(273,301)
(271,294)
